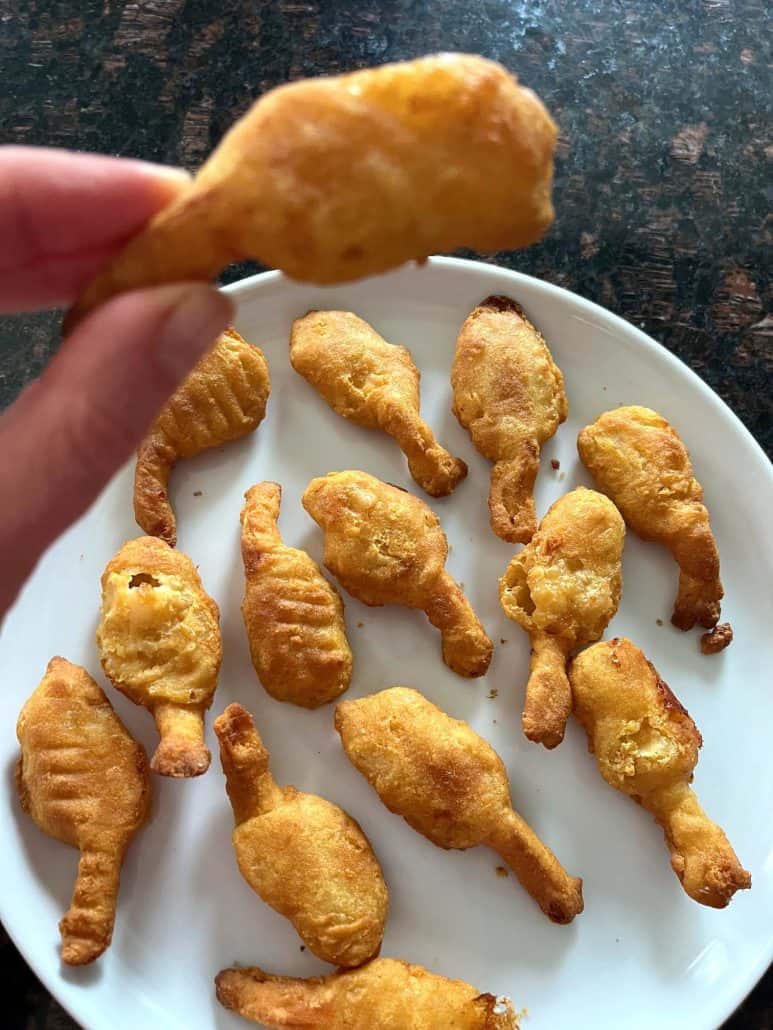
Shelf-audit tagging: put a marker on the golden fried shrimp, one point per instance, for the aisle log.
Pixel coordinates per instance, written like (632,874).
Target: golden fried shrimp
(637,458)
(563,588)
(159,643)
(85,782)
(450,786)
(333,179)
(385,994)
(223,399)
(304,856)
(294,618)
(646,745)
(374,384)
(509,395)
(385,546)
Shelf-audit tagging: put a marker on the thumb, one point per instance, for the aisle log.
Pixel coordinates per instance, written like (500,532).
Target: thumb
(72,429)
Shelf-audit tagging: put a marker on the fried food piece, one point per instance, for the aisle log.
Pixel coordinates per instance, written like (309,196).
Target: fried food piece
(332,179)
(294,618)
(385,994)
(450,786)
(646,745)
(563,588)
(509,395)
(386,546)
(304,856)
(374,384)
(717,639)
(159,643)
(637,458)
(85,782)
(223,399)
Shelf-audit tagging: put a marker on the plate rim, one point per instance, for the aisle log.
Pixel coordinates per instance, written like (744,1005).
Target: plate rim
(72,997)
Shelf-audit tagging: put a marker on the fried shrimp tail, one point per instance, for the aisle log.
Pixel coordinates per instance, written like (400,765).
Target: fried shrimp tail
(548,702)
(336,178)
(509,394)
(159,643)
(646,745)
(450,786)
(563,589)
(223,399)
(466,646)
(181,749)
(385,994)
(511,497)
(85,782)
(374,384)
(385,546)
(304,856)
(293,616)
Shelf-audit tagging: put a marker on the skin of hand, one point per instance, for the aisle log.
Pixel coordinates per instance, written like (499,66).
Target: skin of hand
(223,399)
(509,394)
(374,384)
(85,781)
(646,745)
(294,618)
(336,178)
(637,458)
(450,786)
(563,588)
(62,216)
(385,994)
(304,856)
(159,643)
(385,546)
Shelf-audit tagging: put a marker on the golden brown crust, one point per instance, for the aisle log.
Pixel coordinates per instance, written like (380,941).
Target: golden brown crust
(224,398)
(85,782)
(294,618)
(374,384)
(450,786)
(159,643)
(303,855)
(385,994)
(385,546)
(637,458)
(563,588)
(509,394)
(717,639)
(333,179)
(646,745)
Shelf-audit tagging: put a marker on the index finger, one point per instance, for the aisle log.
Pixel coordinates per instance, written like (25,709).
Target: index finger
(62,215)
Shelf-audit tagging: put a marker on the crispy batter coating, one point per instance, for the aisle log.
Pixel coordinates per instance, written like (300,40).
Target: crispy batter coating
(450,786)
(385,994)
(223,399)
(509,395)
(294,618)
(637,458)
(374,384)
(646,745)
(159,643)
(304,856)
(386,546)
(563,589)
(717,639)
(333,179)
(85,782)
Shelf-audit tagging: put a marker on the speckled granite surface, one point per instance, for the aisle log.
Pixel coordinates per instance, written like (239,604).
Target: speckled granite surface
(664,159)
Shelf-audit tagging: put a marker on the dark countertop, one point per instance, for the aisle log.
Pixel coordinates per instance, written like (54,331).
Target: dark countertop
(663,161)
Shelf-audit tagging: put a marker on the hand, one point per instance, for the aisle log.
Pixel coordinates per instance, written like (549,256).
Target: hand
(62,216)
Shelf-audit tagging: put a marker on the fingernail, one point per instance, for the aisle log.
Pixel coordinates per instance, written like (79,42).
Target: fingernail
(195,319)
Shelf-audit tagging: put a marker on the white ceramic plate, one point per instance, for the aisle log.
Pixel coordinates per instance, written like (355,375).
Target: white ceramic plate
(642,954)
